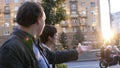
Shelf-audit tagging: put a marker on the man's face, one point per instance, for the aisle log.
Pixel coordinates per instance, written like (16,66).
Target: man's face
(41,24)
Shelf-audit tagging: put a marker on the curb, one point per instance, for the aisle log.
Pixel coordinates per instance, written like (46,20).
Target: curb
(93,59)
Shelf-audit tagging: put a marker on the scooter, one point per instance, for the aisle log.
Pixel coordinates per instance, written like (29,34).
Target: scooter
(106,61)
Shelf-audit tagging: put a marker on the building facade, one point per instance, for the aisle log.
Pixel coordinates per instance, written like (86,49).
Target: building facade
(8,11)
(81,15)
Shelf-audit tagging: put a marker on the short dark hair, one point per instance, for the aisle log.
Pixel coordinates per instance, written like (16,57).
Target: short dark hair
(49,30)
(28,13)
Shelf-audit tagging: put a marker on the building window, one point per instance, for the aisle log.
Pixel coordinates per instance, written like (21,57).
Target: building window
(14,15)
(84,12)
(7,16)
(74,21)
(83,4)
(7,8)
(64,5)
(35,0)
(75,29)
(93,20)
(63,22)
(7,24)
(64,29)
(83,20)
(16,1)
(74,37)
(25,0)
(92,4)
(73,7)
(92,12)
(93,28)
(6,32)
(16,8)
(6,28)
(7,1)
(83,29)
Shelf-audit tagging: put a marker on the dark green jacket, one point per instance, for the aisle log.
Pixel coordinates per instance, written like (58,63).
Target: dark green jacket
(17,51)
(59,56)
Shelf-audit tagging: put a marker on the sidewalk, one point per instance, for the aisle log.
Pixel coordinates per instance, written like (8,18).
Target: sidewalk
(89,56)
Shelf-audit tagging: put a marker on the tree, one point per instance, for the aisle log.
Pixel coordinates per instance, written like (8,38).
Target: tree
(79,37)
(54,11)
(63,40)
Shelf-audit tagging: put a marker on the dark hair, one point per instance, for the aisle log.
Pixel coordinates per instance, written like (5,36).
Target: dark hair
(49,30)
(28,13)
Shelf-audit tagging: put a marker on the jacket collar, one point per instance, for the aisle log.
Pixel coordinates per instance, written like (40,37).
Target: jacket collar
(27,38)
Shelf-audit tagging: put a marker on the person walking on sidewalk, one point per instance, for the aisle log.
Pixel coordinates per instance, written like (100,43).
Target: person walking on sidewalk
(49,38)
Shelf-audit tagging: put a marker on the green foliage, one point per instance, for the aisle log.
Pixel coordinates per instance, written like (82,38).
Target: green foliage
(63,39)
(78,37)
(54,11)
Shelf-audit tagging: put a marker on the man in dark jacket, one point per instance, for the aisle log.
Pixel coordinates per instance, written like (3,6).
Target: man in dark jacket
(49,38)
(17,51)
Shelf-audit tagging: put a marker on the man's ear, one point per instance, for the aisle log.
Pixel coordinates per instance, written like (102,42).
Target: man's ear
(50,38)
(38,20)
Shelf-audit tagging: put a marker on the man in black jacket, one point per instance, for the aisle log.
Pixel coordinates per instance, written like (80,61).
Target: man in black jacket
(49,38)
(17,51)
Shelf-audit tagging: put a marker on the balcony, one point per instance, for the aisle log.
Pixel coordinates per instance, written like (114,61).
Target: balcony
(82,23)
(74,15)
(7,12)
(83,15)
(75,24)
(64,24)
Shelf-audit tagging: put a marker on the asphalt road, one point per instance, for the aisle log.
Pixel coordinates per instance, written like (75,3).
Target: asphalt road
(87,64)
